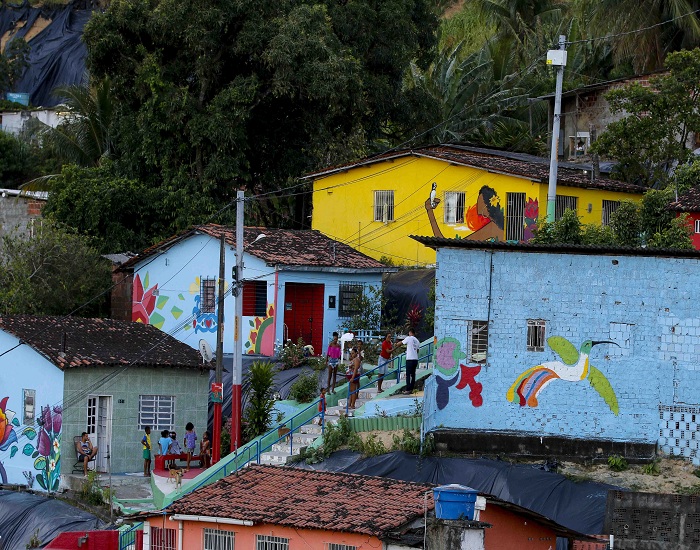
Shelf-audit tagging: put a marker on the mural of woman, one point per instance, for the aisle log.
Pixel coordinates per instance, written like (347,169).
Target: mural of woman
(485,218)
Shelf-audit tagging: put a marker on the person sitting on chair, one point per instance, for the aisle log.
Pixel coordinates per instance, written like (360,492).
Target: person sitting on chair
(86,452)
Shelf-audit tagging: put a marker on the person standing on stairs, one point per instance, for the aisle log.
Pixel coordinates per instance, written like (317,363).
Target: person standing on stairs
(412,344)
(384,360)
(355,368)
(332,359)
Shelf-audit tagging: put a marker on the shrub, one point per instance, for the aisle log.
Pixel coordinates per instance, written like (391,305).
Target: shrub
(292,355)
(617,463)
(653,468)
(373,446)
(409,442)
(258,413)
(305,387)
(90,491)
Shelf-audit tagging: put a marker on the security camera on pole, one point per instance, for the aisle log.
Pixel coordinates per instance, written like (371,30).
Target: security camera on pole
(555,58)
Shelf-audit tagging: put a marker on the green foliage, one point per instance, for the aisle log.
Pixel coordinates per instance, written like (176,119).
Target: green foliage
(305,387)
(617,463)
(258,412)
(567,229)
(367,309)
(90,491)
(53,272)
(15,160)
(34,540)
(429,317)
(653,468)
(408,442)
(13,61)
(120,213)
(373,446)
(292,355)
(686,176)
(226,437)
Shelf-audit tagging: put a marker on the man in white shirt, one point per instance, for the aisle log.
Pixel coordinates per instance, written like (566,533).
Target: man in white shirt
(412,345)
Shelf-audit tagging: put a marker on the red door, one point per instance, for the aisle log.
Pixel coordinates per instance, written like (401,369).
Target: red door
(303,313)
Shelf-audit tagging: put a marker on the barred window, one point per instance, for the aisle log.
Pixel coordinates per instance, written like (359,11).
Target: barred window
(697,226)
(478,341)
(29,407)
(216,539)
(207,294)
(266,542)
(515,216)
(255,298)
(336,546)
(609,208)
(536,334)
(157,411)
(564,203)
(162,539)
(384,206)
(454,207)
(349,295)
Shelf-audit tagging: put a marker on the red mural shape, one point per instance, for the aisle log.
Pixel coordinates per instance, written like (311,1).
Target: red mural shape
(144,302)
(469,379)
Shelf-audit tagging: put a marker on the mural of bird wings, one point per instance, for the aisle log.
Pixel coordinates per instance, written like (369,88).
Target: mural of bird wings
(529,384)
(565,349)
(601,384)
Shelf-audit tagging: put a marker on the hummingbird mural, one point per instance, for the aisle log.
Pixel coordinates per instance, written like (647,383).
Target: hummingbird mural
(573,367)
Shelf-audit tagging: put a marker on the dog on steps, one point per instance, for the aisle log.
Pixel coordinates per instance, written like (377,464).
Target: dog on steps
(176,476)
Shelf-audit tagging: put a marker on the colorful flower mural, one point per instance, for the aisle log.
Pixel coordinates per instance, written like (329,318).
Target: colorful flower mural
(8,437)
(573,367)
(144,302)
(448,354)
(530,213)
(47,454)
(261,339)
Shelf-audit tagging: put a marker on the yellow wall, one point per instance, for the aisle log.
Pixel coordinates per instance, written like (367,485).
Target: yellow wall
(343,204)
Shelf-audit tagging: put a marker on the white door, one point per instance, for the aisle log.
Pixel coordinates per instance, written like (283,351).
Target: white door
(99,427)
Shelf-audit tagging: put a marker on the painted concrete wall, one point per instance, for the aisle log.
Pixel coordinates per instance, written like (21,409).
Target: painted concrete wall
(299,539)
(18,213)
(191,400)
(644,384)
(411,180)
(30,446)
(509,530)
(13,122)
(166,293)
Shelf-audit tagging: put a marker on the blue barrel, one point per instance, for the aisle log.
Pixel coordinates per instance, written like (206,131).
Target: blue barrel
(454,501)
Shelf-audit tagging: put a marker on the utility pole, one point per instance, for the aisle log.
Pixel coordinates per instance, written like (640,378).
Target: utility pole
(217,387)
(556,58)
(236,401)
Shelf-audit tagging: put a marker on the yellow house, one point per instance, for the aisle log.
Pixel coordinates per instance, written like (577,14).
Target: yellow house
(451,191)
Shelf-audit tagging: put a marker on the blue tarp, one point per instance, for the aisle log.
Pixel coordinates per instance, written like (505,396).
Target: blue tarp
(57,55)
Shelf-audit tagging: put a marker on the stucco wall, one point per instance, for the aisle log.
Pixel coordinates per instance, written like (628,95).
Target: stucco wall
(644,304)
(191,400)
(17,213)
(23,368)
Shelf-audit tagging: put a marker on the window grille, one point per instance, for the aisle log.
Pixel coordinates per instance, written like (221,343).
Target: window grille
(478,341)
(564,203)
(384,206)
(454,207)
(336,546)
(216,539)
(697,226)
(609,208)
(91,427)
(29,407)
(349,295)
(157,411)
(207,294)
(255,298)
(162,539)
(535,334)
(515,216)
(266,542)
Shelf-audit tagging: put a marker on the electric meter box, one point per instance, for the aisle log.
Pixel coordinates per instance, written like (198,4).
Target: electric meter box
(556,58)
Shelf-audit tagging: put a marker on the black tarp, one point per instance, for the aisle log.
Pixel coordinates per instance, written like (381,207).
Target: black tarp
(22,514)
(57,55)
(405,288)
(578,506)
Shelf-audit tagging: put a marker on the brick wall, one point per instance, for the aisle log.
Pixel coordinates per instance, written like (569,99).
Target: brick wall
(644,304)
(17,213)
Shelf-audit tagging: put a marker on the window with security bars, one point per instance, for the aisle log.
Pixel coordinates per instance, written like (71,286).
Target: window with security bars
(162,539)
(266,542)
(255,298)
(216,539)
(609,208)
(207,296)
(349,295)
(536,334)
(454,207)
(29,407)
(697,226)
(478,341)
(515,216)
(335,546)
(564,203)
(157,411)
(384,206)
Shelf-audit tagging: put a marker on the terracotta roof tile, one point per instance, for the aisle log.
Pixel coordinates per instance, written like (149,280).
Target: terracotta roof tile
(310,499)
(285,247)
(687,202)
(74,341)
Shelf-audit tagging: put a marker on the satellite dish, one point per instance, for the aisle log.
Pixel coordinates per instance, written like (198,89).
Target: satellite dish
(205,350)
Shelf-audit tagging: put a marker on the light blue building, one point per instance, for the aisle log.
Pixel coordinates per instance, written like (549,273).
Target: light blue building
(297,284)
(547,349)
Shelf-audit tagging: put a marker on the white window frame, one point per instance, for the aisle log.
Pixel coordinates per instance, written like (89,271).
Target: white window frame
(28,406)
(454,204)
(268,542)
(161,415)
(536,334)
(336,546)
(384,206)
(162,538)
(697,226)
(564,203)
(609,208)
(477,341)
(218,539)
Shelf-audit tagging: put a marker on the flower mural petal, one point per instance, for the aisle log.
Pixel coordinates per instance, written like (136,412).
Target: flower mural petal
(13,451)
(57,419)
(157,320)
(10,439)
(138,289)
(162,300)
(176,312)
(29,433)
(44,446)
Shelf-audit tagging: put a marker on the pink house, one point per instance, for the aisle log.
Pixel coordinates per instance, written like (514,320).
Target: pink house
(283,508)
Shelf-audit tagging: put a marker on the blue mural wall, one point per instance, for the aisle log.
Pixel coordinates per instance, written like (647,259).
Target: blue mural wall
(31,447)
(620,351)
